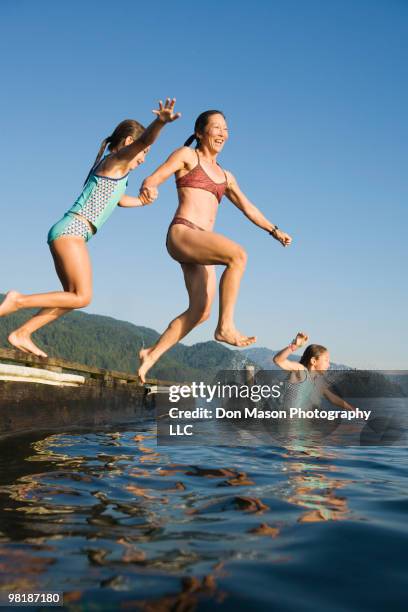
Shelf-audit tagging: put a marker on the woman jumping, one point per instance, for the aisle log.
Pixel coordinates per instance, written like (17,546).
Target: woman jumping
(103,190)
(191,241)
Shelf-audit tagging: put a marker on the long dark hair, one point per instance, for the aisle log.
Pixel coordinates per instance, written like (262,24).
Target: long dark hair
(313,350)
(200,125)
(127,127)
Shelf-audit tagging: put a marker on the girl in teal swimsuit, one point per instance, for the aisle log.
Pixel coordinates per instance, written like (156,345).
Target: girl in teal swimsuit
(306,383)
(103,190)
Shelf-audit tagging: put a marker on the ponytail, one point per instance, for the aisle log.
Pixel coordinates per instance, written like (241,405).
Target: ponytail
(127,127)
(101,151)
(190,140)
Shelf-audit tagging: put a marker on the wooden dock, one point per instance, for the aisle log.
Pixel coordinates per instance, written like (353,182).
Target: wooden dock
(56,395)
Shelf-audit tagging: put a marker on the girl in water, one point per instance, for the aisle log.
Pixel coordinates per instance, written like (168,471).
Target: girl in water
(306,385)
(103,190)
(191,241)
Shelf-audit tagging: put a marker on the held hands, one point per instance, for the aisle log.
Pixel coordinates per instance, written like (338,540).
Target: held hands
(165,113)
(281,237)
(148,195)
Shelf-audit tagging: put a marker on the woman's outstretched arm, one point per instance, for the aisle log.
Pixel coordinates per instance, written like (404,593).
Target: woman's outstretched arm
(178,160)
(240,200)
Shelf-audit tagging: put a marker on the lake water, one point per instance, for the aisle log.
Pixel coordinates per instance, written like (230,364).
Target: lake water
(117,522)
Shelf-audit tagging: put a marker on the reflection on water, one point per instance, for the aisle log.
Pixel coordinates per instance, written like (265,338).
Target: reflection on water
(315,489)
(113,519)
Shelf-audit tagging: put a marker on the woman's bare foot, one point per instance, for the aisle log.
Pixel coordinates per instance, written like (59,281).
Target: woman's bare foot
(10,303)
(232,336)
(145,364)
(25,344)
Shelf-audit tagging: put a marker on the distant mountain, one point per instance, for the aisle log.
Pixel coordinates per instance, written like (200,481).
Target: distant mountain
(109,343)
(264,358)
(106,342)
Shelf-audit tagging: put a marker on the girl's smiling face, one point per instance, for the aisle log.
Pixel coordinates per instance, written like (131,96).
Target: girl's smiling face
(140,158)
(215,133)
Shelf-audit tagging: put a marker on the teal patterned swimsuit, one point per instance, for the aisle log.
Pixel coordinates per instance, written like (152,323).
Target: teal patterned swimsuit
(98,200)
(306,394)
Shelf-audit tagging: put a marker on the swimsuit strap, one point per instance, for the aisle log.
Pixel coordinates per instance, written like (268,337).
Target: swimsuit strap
(225,174)
(215,183)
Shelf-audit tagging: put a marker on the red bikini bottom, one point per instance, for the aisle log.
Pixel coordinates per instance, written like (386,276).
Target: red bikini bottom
(181,221)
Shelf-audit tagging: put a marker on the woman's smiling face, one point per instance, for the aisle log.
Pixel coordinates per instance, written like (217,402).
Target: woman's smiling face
(215,133)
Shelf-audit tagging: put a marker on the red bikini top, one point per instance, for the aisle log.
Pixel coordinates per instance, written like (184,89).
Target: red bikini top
(199,179)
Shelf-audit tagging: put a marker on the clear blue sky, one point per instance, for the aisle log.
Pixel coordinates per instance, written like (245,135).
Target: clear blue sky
(315,94)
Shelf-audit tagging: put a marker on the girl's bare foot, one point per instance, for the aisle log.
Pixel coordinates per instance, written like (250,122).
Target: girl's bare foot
(10,303)
(232,336)
(145,364)
(25,344)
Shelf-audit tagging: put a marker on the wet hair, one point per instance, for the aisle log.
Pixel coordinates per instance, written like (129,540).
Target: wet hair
(313,350)
(200,125)
(127,127)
